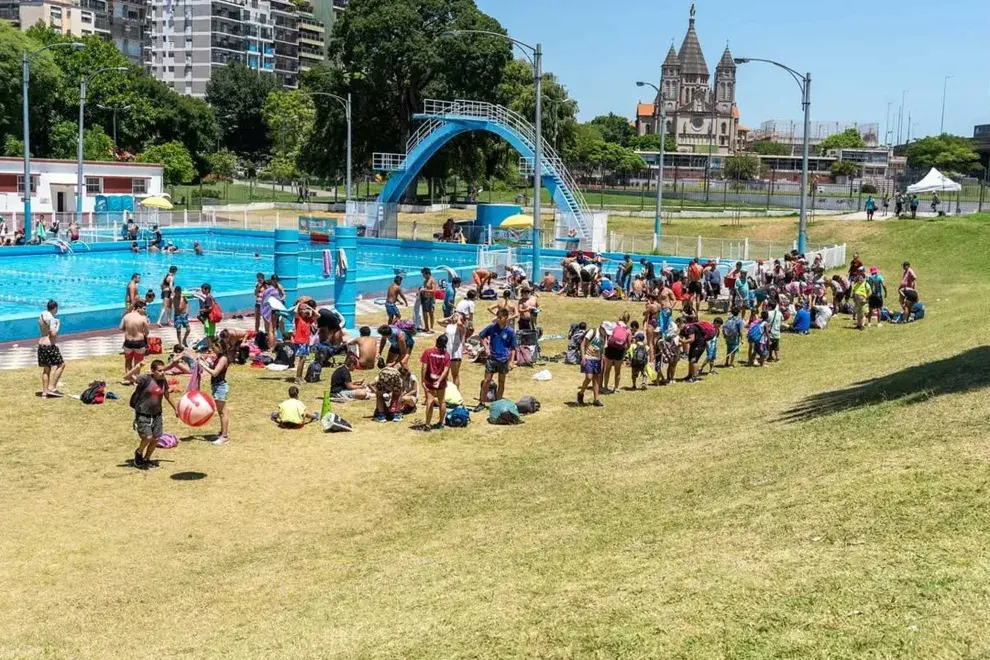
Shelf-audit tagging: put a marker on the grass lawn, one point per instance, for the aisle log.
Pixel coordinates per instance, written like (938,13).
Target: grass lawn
(832,506)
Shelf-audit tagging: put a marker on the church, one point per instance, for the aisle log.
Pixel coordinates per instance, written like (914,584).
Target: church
(700,116)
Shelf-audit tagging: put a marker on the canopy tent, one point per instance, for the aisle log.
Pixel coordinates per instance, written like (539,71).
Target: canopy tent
(934,181)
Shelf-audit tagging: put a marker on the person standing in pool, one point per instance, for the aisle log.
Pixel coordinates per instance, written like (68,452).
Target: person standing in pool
(49,356)
(168,282)
(135,327)
(180,307)
(428,300)
(392,298)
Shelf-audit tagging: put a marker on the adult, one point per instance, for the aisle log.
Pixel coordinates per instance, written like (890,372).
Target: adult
(694,341)
(482,277)
(548,283)
(731,281)
(448,230)
(590,277)
(713,281)
(909,280)
(133,294)
(618,340)
(365,348)
(500,340)
(427,298)
(343,385)
(696,289)
(623,274)
(168,283)
(328,326)
(915,203)
(148,394)
(49,356)
(911,307)
(450,295)
(156,238)
(861,298)
(220,389)
(392,298)
(649,272)
(456,333)
(878,291)
(400,344)
(135,327)
(855,265)
(871,207)
(527,309)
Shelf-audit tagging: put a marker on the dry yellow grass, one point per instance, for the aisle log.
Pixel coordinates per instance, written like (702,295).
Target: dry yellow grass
(689,521)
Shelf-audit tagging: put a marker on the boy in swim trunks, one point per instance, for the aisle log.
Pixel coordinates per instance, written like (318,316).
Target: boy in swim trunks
(49,356)
(181,319)
(209,327)
(392,298)
(135,328)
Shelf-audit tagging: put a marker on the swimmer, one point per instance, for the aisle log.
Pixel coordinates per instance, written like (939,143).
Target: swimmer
(197,249)
(364,348)
(180,307)
(132,295)
(135,327)
(392,298)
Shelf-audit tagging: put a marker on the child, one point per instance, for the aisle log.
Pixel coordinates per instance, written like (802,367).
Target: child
(180,307)
(757,336)
(205,308)
(292,413)
(732,331)
(591,365)
(711,352)
(434,372)
(639,357)
(181,364)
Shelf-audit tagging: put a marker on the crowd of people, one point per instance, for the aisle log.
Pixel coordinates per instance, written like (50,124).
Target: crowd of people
(752,309)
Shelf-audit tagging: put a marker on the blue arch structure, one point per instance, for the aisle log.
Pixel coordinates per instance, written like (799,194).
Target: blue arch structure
(450,126)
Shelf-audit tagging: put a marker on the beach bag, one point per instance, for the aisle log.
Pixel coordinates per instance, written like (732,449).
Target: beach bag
(452,395)
(216,314)
(96,393)
(313,372)
(334,423)
(282,355)
(640,357)
(167,441)
(527,405)
(458,418)
(525,356)
(504,413)
(155,345)
(755,333)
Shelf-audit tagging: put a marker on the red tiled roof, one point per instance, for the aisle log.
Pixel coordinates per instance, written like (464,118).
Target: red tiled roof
(645,110)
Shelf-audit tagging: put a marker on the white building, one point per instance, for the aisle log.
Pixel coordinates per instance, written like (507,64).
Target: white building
(53,186)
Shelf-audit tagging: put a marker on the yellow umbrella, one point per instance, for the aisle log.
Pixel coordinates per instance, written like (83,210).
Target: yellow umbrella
(518,221)
(156,203)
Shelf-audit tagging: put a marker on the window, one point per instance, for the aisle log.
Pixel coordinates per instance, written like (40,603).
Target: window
(20,184)
(724,129)
(87,18)
(139,186)
(93,185)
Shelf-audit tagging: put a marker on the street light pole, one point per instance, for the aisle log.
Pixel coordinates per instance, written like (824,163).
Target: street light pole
(346,102)
(945,88)
(26,120)
(80,184)
(661,115)
(804,82)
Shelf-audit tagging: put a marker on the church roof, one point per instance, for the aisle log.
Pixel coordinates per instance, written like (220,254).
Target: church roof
(726,62)
(671,60)
(692,59)
(646,110)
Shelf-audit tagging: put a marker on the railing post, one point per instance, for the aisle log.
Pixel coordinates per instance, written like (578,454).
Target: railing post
(698,252)
(278,219)
(245,218)
(746,248)
(185,218)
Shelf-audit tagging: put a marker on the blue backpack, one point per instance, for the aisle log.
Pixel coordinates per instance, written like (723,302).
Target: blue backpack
(755,333)
(458,418)
(504,412)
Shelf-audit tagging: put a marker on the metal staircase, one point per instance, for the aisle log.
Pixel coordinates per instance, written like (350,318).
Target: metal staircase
(444,119)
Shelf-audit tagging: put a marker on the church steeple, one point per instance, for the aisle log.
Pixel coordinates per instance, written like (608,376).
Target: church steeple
(726,63)
(692,59)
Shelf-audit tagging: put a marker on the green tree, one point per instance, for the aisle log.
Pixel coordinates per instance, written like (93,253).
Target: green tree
(238,95)
(771,148)
(614,129)
(743,167)
(289,117)
(949,153)
(844,168)
(175,159)
(46,85)
(12,147)
(847,139)
(651,142)
(223,164)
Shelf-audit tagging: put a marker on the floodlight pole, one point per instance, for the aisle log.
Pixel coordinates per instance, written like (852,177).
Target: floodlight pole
(347,110)
(661,115)
(804,82)
(26,121)
(80,183)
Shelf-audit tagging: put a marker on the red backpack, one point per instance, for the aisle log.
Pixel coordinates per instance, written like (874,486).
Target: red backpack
(216,314)
(708,329)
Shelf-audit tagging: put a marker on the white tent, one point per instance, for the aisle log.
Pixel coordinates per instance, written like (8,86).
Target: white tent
(934,181)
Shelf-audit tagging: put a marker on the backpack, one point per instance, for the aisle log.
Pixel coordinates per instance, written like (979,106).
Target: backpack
(323,356)
(528,405)
(313,372)
(216,314)
(135,396)
(708,329)
(458,418)
(640,356)
(334,423)
(282,355)
(489,294)
(574,338)
(155,345)
(453,396)
(95,393)
(731,329)
(503,412)
(619,337)
(243,353)
(525,356)
(407,327)
(755,333)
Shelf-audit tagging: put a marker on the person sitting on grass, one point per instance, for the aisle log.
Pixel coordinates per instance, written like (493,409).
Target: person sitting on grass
(732,330)
(292,413)
(342,385)
(182,362)
(802,321)
(433,374)
(388,395)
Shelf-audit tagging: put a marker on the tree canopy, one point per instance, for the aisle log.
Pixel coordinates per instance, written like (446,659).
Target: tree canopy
(614,129)
(847,139)
(651,142)
(771,148)
(743,167)
(175,159)
(949,153)
(238,96)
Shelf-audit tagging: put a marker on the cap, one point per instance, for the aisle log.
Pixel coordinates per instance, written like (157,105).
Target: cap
(608,327)
(873,270)
(640,336)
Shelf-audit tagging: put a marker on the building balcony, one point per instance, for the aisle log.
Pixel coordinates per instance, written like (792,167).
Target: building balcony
(310,41)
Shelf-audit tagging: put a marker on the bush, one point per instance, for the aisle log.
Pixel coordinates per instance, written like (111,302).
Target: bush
(869,189)
(206,193)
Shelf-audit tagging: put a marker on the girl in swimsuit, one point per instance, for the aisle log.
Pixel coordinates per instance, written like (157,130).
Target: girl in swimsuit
(165,316)
(259,288)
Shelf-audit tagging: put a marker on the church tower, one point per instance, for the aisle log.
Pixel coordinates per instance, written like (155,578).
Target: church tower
(671,77)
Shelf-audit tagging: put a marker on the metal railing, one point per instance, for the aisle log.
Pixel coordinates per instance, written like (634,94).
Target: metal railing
(739,249)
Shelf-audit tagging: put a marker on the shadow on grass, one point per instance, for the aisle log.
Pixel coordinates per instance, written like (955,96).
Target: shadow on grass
(964,372)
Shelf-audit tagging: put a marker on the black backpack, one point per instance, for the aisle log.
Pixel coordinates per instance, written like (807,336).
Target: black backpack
(313,372)
(640,356)
(528,405)
(323,356)
(282,355)
(95,393)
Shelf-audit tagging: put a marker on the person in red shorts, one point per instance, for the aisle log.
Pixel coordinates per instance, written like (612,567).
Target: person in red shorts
(434,372)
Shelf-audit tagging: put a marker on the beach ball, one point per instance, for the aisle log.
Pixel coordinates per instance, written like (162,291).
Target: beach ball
(196,408)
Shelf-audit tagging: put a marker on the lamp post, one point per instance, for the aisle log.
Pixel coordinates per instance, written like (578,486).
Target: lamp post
(804,82)
(26,77)
(662,121)
(945,88)
(114,109)
(535,55)
(346,102)
(80,183)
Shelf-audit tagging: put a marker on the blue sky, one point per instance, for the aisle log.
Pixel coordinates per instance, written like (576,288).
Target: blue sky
(861,54)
